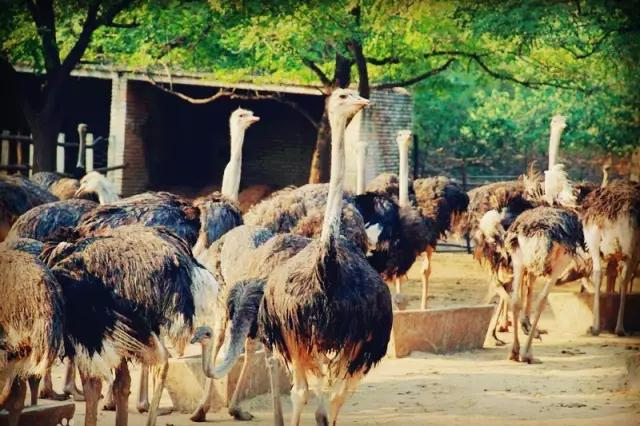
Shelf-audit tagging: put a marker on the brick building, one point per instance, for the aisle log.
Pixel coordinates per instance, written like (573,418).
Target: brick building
(167,143)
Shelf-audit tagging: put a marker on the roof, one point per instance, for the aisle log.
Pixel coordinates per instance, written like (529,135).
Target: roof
(191,78)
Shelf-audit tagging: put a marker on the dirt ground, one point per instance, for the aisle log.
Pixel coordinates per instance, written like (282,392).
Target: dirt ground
(581,379)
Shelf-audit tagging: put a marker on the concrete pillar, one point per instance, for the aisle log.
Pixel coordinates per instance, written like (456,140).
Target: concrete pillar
(117,129)
(60,154)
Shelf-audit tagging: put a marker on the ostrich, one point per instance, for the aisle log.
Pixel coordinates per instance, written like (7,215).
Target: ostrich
(41,222)
(96,183)
(243,259)
(31,324)
(239,122)
(159,287)
(543,241)
(18,195)
(62,187)
(325,310)
(611,220)
(427,209)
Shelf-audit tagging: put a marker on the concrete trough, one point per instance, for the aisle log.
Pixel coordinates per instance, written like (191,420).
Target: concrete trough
(573,312)
(439,331)
(186,381)
(46,413)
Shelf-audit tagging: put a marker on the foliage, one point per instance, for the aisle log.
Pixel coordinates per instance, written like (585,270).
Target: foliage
(486,76)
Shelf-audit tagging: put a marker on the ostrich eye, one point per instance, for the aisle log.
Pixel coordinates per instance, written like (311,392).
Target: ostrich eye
(207,334)
(343,96)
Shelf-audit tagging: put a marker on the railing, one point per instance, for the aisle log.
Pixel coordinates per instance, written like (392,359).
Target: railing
(16,153)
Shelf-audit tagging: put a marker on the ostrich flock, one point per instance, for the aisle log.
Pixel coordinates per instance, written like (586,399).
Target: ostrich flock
(313,273)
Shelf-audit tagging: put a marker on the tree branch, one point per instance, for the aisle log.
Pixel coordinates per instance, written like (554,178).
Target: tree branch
(133,24)
(361,65)
(316,69)
(231,94)
(417,78)
(44,18)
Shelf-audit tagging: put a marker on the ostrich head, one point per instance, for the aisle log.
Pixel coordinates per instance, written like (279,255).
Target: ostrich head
(202,335)
(345,103)
(403,138)
(96,183)
(559,122)
(241,119)
(82,128)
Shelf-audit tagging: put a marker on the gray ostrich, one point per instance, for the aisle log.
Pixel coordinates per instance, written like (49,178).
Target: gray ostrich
(31,324)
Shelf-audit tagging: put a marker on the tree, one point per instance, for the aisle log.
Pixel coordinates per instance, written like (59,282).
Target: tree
(43,110)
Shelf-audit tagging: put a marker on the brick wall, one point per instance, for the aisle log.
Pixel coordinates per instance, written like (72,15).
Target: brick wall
(391,110)
(135,177)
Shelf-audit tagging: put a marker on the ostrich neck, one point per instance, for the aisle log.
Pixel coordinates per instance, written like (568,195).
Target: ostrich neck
(233,170)
(404,174)
(554,144)
(207,365)
(361,170)
(331,224)
(105,196)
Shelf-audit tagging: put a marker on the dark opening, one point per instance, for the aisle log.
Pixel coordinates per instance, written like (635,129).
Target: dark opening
(187,145)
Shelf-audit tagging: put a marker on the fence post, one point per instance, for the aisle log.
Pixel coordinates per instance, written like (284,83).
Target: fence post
(89,152)
(30,147)
(60,154)
(4,152)
(82,134)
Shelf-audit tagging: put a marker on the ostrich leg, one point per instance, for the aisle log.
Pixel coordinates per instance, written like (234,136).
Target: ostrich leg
(92,387)
(274,381)
(561,264)
(121,391)
(162,377)
(299,392)
(234,408)
(200,414)
(345,386)
(143,390)
(47,392)
(516,306)
(525,320)
(15,402)
(426,273)
(629,268)
(34,384)
(70,387)
(592,237)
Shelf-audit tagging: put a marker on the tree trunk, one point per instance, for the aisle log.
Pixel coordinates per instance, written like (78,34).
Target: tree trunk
(321,160)
(45,127)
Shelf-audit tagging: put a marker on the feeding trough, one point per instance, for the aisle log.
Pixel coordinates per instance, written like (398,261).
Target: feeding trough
(46,413)
(186,381)
(439,331)
(574,311)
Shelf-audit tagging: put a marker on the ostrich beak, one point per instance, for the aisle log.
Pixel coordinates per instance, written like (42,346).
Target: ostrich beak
(79,193)
(361,102)
(253,119)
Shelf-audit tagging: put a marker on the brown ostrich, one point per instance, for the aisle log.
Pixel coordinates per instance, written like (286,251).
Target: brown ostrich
(31,326)
(611,220)
(326,311)
(111,318)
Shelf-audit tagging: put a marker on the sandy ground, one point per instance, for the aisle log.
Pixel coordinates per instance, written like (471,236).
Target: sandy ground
(581,379)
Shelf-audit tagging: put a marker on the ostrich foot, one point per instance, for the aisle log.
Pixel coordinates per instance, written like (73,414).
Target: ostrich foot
(53,395)
(503,328)
(75,393)
(109,406)
(529,359)
(400,301)
(497,340)
(165,411)
(515,353)
(621,332)
(593,331)
(143,407)
(239,414)
(199,416)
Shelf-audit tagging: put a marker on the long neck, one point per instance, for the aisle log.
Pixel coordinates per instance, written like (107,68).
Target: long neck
(554,144)
(233,171)
(403,148)
(207,364)
(105,196)
(331,224)
(361,168)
